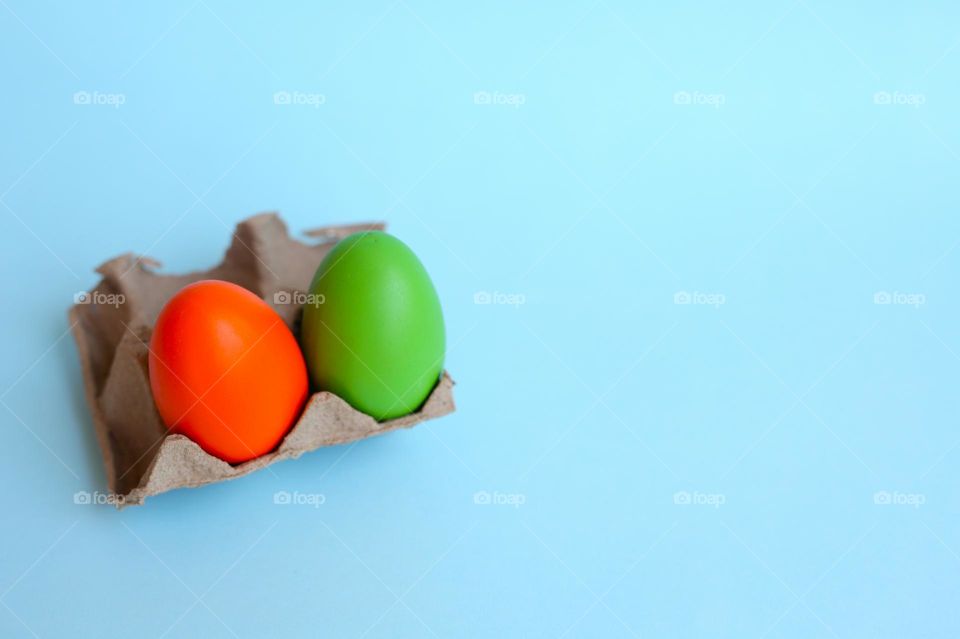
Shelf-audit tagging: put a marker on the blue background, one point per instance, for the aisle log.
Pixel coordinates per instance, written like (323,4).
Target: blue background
(780,462)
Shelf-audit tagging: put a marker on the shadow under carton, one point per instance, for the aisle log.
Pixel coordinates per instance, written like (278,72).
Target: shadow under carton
(112,327)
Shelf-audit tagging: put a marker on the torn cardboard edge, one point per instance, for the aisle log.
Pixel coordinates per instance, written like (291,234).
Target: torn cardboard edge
(112,325)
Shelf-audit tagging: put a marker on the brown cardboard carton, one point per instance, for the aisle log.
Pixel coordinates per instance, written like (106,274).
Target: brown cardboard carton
(112,327)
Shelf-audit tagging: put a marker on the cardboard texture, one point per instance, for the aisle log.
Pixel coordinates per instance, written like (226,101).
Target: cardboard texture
(140,456)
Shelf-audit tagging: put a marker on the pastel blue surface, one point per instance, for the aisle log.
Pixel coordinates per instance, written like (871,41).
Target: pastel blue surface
(775,458)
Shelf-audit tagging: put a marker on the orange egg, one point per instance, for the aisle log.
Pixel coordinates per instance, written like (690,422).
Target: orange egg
(226,371)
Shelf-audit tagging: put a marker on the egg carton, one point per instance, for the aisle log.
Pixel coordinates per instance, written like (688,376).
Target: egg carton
(112,325)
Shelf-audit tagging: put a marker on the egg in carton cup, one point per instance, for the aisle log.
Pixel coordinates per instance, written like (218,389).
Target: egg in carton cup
(112,326)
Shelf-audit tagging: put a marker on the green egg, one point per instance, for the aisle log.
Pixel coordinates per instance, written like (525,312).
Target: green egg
(372,329)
